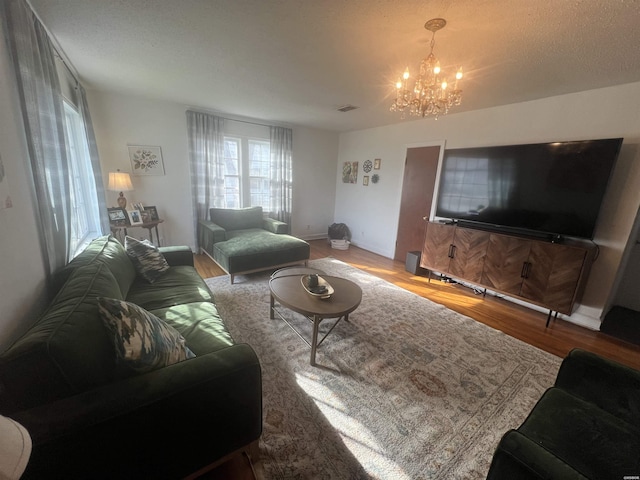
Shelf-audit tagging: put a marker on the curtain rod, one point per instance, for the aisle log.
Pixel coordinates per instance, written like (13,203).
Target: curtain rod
(250,122)
(57,50)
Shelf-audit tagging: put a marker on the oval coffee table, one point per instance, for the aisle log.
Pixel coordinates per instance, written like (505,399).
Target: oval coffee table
(286,287)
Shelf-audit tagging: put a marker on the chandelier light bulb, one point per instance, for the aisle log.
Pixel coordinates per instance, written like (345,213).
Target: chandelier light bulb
(444,85)
(459,74)
(436,69)
(399,84)
(405,75)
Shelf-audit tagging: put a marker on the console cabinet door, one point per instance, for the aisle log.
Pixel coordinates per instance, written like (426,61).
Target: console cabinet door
(437,247)
(505,263)
(469,251)
(553,274)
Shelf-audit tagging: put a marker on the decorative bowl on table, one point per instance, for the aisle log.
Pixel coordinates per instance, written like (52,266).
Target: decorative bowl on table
(318,288)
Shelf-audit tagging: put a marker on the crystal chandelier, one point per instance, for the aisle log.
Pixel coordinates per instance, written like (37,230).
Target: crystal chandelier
(432,93)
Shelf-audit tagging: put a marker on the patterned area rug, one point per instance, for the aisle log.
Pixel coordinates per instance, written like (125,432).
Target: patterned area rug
(407,389)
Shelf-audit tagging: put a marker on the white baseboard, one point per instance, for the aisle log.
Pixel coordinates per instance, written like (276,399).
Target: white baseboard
(314,236)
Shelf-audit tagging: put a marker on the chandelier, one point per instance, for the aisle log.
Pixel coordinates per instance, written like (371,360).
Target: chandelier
(432,93)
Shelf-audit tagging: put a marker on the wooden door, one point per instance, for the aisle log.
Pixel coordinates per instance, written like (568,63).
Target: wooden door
(553,275)
(437,246)
(470,248)
(421,166)
(504,263)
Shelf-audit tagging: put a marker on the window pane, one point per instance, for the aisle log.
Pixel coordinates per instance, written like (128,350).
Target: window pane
(259,162)
(232,172)
(84,221)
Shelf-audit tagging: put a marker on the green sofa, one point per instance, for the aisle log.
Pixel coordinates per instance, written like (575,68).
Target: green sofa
(89,419)
(587,426)
(241,240)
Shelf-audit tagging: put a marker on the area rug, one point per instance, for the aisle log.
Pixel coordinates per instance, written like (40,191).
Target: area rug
(406,390)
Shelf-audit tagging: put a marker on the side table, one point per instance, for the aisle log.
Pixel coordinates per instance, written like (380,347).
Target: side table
(151,225)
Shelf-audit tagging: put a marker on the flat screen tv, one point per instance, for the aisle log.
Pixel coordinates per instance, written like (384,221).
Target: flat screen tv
(553,189)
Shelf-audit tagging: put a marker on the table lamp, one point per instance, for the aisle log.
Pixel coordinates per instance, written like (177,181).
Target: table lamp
(120,181)
(15,448)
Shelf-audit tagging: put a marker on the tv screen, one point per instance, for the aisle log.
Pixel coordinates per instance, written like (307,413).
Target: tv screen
(550,188)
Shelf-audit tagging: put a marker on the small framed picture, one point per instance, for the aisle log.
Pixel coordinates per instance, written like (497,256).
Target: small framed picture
(153,213)
(376,164)
(365,180)
(134,217)
(146,216)
(118,217)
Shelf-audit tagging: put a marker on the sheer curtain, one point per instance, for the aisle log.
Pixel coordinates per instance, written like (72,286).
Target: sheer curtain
(43,115)
(280,174)
(95,161)
(206,162)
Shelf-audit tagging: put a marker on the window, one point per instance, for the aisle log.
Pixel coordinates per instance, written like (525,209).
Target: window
(85,218)
(246,172)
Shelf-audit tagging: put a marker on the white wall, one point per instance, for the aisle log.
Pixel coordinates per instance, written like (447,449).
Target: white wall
(120,120)
(372,212)
(22,274)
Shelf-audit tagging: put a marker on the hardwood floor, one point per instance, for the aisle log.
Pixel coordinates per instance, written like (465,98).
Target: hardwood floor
(514,320)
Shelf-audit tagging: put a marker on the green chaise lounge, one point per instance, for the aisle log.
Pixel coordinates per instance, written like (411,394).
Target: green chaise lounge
(242,241)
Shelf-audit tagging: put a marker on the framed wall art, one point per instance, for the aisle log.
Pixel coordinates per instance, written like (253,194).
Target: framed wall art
(365,180)
(376,164)
(146,160)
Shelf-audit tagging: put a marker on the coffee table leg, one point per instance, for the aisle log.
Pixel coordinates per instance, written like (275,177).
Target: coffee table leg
(271,307)
(314,339)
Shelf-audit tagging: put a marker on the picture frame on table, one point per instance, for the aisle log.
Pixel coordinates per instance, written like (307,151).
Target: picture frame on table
(118,217)
(134,217)
(146,216)
(153,213)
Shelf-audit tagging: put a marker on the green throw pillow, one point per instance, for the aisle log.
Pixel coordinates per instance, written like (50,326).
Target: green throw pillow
(146,258)
(143,341)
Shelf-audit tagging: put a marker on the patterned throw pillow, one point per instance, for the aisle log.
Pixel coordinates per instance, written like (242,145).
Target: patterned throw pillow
(143,341)
(146,258)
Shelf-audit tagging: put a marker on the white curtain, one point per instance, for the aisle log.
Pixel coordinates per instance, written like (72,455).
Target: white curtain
(280,174)
(206,162)
(95,160)
(43,115)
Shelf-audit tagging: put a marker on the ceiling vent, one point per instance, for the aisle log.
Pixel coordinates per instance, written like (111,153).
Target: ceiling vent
(347,108)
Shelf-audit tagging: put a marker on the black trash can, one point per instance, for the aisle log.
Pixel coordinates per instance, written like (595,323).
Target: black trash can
(412,264)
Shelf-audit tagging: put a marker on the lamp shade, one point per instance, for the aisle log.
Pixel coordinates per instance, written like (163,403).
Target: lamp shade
(15,448)
(120,182)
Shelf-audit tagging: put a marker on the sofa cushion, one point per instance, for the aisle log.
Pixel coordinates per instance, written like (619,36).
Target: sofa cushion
(237,218)
(67,350)
(178,285)
(109,251)
(146,258)
(200,324)
(142,341)
(254,249)
(592,441)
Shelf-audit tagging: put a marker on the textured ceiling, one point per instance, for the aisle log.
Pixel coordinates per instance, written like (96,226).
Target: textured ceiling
(297,61)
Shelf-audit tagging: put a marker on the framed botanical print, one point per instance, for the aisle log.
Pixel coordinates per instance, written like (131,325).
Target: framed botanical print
(146,160)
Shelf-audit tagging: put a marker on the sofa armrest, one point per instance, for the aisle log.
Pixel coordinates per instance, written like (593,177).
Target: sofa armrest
(519,457)
(177,255)
(210,233)
(275,226)
(167,423)
(611,386)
